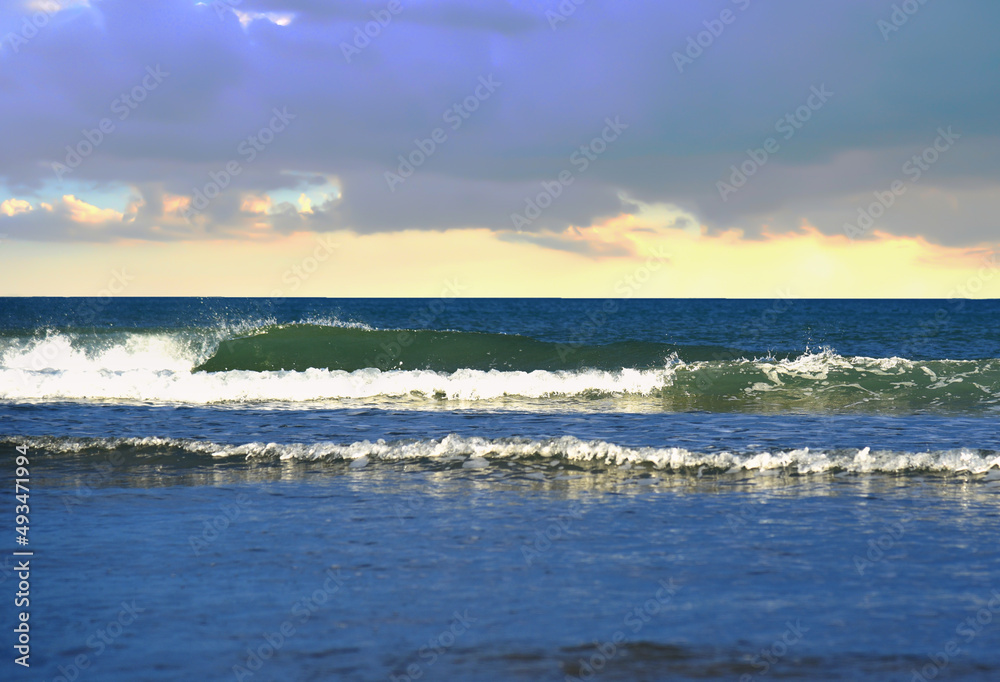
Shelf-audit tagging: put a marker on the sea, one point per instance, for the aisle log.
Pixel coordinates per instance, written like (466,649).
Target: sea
(500,489)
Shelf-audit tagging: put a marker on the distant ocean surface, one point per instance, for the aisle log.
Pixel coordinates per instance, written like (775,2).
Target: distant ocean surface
(506,489)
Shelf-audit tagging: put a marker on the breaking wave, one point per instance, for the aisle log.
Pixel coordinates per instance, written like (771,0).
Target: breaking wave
(481,453)
(337,362)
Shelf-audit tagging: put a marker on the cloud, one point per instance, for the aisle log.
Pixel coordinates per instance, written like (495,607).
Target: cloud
(569,241)
(354,119)
(12,207)
(668,258)
(81,212)
(489,16)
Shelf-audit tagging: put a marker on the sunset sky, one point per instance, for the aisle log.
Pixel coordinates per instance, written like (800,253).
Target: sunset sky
(733,148)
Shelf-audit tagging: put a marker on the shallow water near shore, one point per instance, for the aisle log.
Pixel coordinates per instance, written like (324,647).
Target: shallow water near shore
(808,502)
(686,577)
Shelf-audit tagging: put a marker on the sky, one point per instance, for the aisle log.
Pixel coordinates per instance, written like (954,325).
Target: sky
(724,148)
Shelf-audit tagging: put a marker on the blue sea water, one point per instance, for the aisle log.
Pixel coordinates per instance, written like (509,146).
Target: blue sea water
(514,489)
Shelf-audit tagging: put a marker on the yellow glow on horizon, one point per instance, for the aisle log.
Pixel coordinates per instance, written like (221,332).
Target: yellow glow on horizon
(656,253)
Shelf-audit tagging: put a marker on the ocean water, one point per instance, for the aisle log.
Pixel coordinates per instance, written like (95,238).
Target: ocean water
(515,489)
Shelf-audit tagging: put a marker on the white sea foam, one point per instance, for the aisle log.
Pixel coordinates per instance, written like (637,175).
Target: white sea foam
(328,321)
(158,367)
(88,380)
(474,452)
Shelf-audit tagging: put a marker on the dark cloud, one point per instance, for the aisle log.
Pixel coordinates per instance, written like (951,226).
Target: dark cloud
(353,119)
(561,242)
